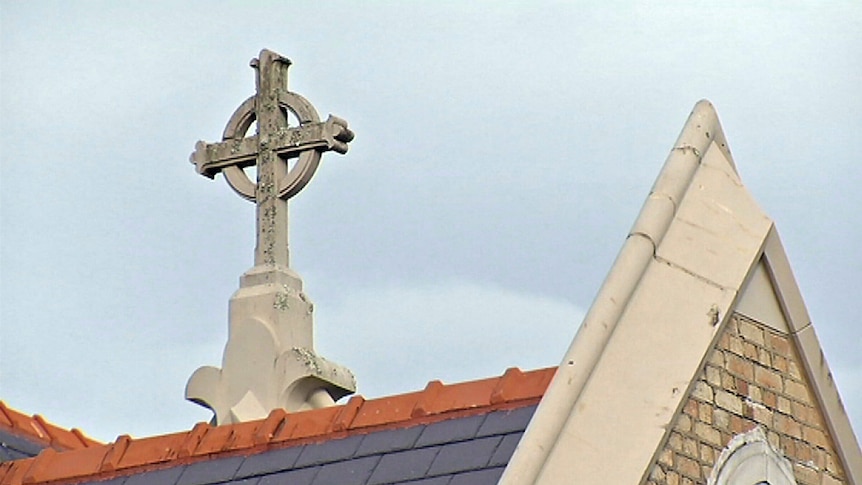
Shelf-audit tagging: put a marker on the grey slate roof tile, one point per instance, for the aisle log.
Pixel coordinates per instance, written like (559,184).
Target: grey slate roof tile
(302,476)
(403,466)
(351,472)
(17,447)
(158,477)
(463,456)
(450,430)
(502,422)
(505,449)
(389,440)
(328,452)
(115,481)
(444,480)
(488,476)
(8,454)
(211,471)
(271,461)
(244,481)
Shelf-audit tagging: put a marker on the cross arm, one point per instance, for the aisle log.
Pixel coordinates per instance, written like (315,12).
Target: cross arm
(212,158)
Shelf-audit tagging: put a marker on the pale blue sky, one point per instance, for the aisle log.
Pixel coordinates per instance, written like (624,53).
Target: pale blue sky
(501,156)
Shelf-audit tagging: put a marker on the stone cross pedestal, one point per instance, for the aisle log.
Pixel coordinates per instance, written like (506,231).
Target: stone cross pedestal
(269,360)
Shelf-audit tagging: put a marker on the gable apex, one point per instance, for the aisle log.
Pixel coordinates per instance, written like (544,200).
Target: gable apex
(700,249)
(662,301)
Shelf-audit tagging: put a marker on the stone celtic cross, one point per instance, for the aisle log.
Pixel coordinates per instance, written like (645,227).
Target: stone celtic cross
(269,361)
(269,149)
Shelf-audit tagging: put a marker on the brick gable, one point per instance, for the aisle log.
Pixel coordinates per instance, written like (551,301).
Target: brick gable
(752,377)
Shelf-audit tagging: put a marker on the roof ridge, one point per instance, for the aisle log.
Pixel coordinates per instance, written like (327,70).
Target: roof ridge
(437,402)
(37,429)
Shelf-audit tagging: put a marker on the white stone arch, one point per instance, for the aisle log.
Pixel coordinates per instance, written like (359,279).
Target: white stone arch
(749,459)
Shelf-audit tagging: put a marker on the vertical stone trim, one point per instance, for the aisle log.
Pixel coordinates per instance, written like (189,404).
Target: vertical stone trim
(752,377)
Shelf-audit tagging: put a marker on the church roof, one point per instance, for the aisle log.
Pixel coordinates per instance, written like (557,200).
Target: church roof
(701,254)
(23,436)
(456,433)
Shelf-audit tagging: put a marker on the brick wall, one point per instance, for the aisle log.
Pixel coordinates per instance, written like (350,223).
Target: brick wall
(752,377)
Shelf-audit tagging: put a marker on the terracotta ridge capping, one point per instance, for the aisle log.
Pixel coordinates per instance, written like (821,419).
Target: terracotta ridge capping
(426,399)
(127,456)
(38,429)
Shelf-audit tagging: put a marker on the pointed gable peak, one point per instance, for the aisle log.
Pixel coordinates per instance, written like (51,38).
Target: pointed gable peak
(700,252)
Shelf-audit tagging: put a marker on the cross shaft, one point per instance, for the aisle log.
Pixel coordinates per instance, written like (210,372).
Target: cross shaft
(272,243)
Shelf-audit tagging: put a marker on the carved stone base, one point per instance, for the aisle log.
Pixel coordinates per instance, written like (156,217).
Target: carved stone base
(269,360)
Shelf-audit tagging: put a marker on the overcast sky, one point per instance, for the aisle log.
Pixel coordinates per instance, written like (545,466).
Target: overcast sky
(502,153)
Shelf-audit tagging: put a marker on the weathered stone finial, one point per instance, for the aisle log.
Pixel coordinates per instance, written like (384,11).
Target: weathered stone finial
(269,361)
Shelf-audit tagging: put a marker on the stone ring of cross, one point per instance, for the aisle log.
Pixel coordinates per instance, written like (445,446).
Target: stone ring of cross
(305,142)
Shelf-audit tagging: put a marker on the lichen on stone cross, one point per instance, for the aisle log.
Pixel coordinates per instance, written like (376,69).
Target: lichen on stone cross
(269,361)
(269,149)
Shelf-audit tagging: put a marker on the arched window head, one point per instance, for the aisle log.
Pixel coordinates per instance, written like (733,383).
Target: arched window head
(749,459)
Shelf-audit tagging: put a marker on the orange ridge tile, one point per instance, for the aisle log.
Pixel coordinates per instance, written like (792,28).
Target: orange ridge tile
(5,472)
(212,440)
(515,385)
(348,413)
(376,412)
(243,435)
(14,474)
(221,438)
(464,395)
(5,420)
(499,393)
(425,399)
(112,458)
(358,416)
(155,449)
(315,422)
(193,440)
(270,426)
(36,428)
(50,465)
